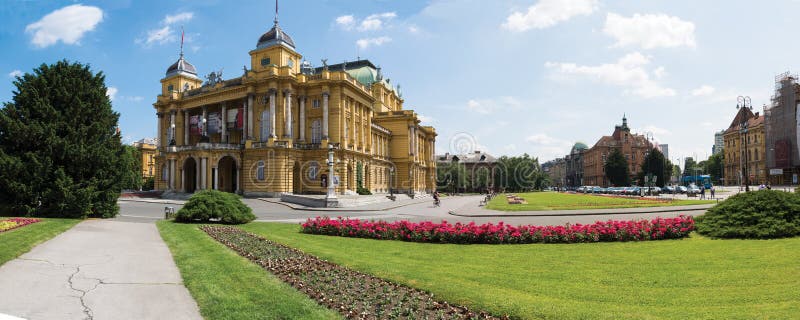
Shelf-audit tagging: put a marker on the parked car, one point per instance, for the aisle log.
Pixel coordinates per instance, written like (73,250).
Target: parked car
(668,189)
(652,190)
(681,189)
(693,190)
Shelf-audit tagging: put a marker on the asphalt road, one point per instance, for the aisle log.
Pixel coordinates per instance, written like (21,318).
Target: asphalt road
(132,211)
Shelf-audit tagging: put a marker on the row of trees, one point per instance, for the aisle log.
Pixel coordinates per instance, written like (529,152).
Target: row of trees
(654,164)
(510,174)
(60,149)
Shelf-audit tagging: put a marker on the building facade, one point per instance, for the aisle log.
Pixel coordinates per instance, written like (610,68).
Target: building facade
(574,165)
(745,148)
(719,142)
(664,148)
(479,167)
(148,149)
(780,126)
(557,171)
(634,147)
(269,131)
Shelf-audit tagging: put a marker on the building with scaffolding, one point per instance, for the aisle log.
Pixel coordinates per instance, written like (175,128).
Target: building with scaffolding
(780,123)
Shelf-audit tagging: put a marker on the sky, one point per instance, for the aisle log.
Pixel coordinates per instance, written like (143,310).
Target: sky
(504,77)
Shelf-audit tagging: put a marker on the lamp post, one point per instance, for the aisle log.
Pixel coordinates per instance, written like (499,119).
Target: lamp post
(744,102)
(391,178)
(330,197)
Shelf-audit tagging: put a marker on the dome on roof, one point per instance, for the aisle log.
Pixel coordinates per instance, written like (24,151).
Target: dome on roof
(273,37)
(365,75)
(181,67)
(579,146)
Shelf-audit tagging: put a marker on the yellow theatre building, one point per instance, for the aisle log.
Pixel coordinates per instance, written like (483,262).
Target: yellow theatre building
(268,132)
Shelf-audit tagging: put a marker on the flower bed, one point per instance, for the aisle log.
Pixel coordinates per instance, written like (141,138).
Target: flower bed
(353,294)
(13,223)
(471,233)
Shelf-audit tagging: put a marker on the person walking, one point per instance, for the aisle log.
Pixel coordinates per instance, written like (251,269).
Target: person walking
(712,192)
(702,192)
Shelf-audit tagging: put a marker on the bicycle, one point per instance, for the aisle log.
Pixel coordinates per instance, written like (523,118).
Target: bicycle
(436,203)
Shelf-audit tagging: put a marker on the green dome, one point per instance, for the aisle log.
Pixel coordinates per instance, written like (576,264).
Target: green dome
(365,75)
(580,146)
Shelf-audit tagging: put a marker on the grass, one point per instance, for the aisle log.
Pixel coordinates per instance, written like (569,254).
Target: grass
(540,201)
(15,242)
(227,286)
(672,279)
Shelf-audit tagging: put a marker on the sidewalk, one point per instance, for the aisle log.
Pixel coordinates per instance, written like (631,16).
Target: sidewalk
(99,269)
(383,206)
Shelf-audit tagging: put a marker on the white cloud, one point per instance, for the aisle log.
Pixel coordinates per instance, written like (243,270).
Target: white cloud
(628,72)
(547,13)
(136,98)
(160,36)
(649,31)
(373,22)
(346,22)
(67,25)
(659,72)
(166,33)
(546,147)
(489,106)
(368,42)
(15,73)
(413,29)
(180,17)
(425,119)
(510,147)
(704,90)
(657,131)
(111,92)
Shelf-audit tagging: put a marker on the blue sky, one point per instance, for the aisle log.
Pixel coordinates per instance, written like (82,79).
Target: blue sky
(507,77)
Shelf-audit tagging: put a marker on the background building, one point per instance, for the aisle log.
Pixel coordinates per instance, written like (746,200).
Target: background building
(268,131)
(478,166)
(780,125)
(557,171)
(719,142)
(633,146)
(574,163)
(148,149)
(664,148)
(737,155)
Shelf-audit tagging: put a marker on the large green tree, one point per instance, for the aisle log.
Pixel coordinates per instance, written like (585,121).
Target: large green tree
(522,173)
(131,168)
(60,150)
(713,167)
(616,167)
(655,164)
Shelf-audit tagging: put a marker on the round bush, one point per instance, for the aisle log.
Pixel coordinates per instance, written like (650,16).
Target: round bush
(764,214)
(211,204)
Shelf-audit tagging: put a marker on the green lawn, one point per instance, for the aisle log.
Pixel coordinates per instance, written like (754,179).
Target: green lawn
(672,279)
(227,286)
(14,243)
(538,201)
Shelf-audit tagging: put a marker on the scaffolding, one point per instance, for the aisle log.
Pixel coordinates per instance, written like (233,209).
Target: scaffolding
(780,125)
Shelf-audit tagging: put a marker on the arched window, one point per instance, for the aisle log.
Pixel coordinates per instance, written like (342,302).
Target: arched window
(316,131)
(265,125)
(260,171)
(164,173)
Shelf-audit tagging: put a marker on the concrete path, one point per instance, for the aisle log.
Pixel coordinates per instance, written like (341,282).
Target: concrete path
(99,269)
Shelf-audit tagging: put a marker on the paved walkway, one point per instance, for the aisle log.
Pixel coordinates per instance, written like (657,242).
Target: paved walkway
(471,210)
(99,269)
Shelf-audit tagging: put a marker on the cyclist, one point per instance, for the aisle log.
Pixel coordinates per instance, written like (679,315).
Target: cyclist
(436,198)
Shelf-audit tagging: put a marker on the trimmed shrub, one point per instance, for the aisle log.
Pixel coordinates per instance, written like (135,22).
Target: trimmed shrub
(363,191)
(763,214)
(224,207)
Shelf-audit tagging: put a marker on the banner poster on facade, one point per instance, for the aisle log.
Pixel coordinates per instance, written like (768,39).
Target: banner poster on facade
(239,118)
(214,123)
(194,127)
(775,172)
(231,118)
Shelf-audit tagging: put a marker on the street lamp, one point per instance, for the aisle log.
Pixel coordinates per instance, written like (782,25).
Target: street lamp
(391,176)
(330,197)
(744,102)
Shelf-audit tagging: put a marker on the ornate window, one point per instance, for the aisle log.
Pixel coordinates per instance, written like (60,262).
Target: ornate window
(315,103)
(164,173)
(264,62)
(316,131)
(265,125)
(170,88)
(260,170)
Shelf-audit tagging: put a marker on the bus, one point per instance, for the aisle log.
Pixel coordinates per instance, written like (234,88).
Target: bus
(699,180)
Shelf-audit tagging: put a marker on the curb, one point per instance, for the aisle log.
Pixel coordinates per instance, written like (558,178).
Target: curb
(699,207)
(162,201)
(298,208)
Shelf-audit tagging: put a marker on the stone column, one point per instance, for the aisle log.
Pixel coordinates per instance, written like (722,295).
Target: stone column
(302,123)
(223,136)
(185,127)
(249,115)
(325,115)
(287,107)
(272,97)
(161,139)
(198,165)
(215,173)
(203,172)
(171,175)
